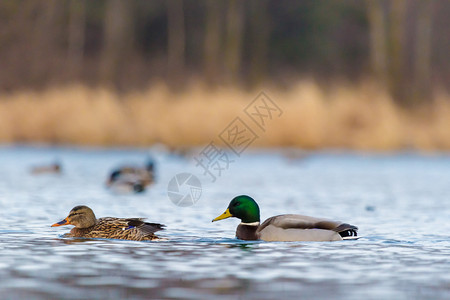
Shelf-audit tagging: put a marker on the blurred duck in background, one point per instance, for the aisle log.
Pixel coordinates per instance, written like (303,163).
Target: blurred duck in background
(125,183)
(132,179)
(54,168)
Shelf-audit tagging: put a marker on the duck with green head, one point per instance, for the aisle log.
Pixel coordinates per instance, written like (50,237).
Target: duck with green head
(283,228)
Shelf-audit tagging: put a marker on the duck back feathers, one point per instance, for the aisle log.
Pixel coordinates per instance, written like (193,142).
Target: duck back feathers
(292,227)
(117,228)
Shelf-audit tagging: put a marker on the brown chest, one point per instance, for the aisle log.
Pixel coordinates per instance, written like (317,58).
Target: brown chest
(246,232)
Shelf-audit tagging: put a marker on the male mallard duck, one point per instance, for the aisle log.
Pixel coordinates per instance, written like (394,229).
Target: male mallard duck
(88,226)
(283,228)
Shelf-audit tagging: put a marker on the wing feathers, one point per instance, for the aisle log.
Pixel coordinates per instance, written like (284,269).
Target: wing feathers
(290,221)
(131,228)
(144,227)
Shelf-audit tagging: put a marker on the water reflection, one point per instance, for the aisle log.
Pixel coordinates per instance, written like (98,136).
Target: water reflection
(248,247)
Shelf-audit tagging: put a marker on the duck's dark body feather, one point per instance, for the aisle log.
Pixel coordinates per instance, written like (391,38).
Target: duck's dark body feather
(247,232)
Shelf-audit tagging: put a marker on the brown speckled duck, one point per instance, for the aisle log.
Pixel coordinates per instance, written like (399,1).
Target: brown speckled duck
(88,226)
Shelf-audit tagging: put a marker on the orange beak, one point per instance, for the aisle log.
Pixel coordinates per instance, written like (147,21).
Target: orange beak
(61,223)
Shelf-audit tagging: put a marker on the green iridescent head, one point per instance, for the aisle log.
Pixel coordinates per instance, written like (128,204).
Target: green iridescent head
(242,207)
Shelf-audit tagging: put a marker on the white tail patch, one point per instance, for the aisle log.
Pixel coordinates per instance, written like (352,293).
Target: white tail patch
(351,237)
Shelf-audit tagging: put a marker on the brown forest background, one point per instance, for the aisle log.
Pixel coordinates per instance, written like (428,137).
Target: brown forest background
(368,74)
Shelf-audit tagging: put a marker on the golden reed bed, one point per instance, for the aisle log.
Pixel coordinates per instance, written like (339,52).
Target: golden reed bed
(359,117)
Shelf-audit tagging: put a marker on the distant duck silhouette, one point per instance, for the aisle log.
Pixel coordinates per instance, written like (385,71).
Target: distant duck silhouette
(54,168)
(132,178)
(182,152)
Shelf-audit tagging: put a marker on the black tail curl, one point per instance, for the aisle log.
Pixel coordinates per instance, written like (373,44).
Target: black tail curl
(346,230)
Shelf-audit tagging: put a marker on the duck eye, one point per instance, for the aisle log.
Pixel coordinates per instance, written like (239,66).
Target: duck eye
(237,204)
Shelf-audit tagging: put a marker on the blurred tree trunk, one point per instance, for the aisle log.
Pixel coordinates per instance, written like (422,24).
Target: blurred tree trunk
(377,27)
(212,45)
(422,62)
(233,44)
(396,81)
(44,41)
(176,41)
(118,37)
(21,55)
(260,32)
(77,23)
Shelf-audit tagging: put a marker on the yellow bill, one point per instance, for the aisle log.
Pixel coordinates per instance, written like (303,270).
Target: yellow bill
(225,215)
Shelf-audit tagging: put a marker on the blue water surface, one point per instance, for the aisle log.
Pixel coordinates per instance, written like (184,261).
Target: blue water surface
(400,202)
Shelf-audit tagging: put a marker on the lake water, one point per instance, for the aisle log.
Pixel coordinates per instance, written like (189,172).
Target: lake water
(400,203)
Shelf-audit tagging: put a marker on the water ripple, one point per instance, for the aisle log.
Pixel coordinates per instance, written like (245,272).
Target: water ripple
(397,202)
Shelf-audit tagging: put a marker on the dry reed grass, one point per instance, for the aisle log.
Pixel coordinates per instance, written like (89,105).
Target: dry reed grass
(359,117)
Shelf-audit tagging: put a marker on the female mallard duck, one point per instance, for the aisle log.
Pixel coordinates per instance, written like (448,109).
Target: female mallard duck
(88,226)
(283,228)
